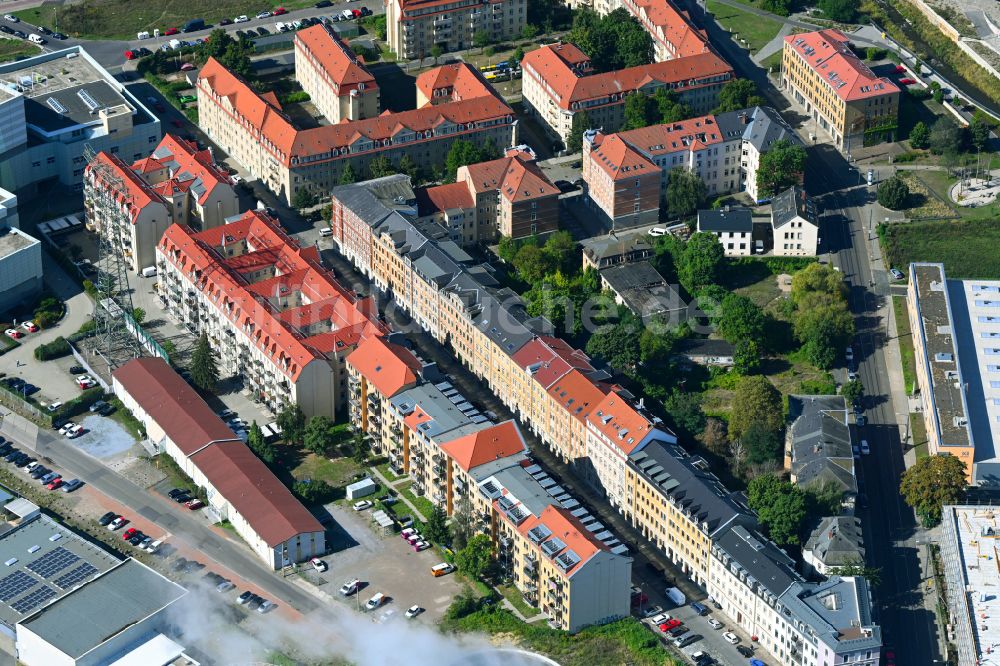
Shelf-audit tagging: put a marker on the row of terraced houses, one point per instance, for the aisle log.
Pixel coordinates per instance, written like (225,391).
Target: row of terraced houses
(571,406)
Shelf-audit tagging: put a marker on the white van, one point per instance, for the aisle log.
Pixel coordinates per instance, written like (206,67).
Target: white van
(37,39)
(149,271)
(375,601)
(657,231)
(325,232)
(142,35)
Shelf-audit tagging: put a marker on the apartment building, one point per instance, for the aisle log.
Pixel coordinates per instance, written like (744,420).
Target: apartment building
(798,622)
(839,92)
(177,183)
(273,315)
(254,130)
(679,505)
(723,150)
(819,449)
(674,34)
(417,26)
(794,224)
(509,197)
(558,82)
(335,77)
(955,328)
(732,226)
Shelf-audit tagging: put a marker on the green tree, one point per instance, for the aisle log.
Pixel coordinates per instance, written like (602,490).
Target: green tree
(780,167)
(920,136)
(204,370)
(319,435)
(518,55)
(853,391)
(476,559)
(741,319)
(303,198)
(617,344)
(436,528)
(562,250)
(169,347)
(292,422)
(762,445)
(668,109)
(738,94)
(639,111)
(857,567)
(348,176)
(481,39)
(436,52)
(581,123)
(408,166)
(755,401)
(381,166)
(945,136)
(533,263)
(138,315)
(779,7)
(615,41)
(932,483)
(684,408)
(529,31)
(840,10)
(462,523)
(893,193)
(462,153)
(257,444)
(979,132)
(780,506)
(714,436)
(701,261)
(747,356)
(686,193)
(313,491)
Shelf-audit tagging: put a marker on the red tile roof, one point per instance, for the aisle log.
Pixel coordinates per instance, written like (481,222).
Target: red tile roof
(454,82)
(669,26)
(500,441)
(550,358)
(439,5)
(280,137)
(577,394)
(568,529)
(618,420)
(514,177)
(440,198)
(388,367)
(827,52)
(567,86)
(137,191)
(692,134)
(335,58)
(288,336)
(246,483)
(619,160)
(189,166)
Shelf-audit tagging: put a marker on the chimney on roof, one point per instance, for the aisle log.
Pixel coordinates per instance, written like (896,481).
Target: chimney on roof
(745,118)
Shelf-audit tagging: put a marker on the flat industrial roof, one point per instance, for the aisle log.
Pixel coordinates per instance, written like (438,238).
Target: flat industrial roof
(44,561)
(978,538)
(95,613)
(12,240)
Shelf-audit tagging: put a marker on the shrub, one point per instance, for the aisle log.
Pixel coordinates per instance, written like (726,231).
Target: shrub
(79,404)
(893,193)
(55,349)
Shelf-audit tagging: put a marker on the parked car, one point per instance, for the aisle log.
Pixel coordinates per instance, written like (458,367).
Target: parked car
(12,18)
(225,586)
(265,606)
(679,630)
(75,432)
(715,624)
(896,273)
(731,638)
(171,31)
(441,569)
(137,539)
(376,601)
(48,478)
(244,598)
(242,18)
(318,564)
(117,523)
(187,99)
(414,611)
(350,587)
(77,370)
(194,504)
(264,15)
(107,518)
(420,545)
(225,21)
(279,11)
(323,4)
(745,650)
(146,540)
(14,333)
(255,601)
(58,35)
(72,485)
(670,624)
(907,81)
(865,449)
(54,484)
(29,326)
(659,619)
(153,547)
(652,611)
(86,381)
(362,505)
(129,533)
(684,641)
(698,608)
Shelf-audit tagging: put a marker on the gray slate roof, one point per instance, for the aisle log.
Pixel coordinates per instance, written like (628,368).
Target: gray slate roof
(733,220)
(838,611)
(821,441)
(760,126)
(793,204)
(90,615)
(759,557)
(836,541)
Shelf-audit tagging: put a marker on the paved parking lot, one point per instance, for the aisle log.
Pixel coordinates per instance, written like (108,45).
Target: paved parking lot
(385,564)
(712,641)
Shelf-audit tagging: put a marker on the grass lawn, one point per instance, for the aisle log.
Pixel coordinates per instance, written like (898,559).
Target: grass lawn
(423,504)
(905,338)
(922,202)
(337,472)
(939,182)
(511,594)
(121,19)
(12,49)
(772,62)
(755,30)
(622,642)
(387,472)
(919,435)
(967,248)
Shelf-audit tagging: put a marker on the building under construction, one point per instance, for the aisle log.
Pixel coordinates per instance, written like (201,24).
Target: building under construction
(970,551)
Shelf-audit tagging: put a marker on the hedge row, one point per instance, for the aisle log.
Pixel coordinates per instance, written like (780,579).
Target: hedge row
(79,404)
(55,349)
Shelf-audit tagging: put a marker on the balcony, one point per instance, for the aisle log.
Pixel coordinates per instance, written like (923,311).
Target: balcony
(438,470)
(439,498)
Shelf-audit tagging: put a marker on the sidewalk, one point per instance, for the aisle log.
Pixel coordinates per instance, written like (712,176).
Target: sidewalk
(773,46)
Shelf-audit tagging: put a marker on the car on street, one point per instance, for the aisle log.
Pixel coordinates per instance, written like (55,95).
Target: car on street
(701,658)
(652,611)
(29,326)
(896,273)
(153,547)
(194,504)
(715,624)
(6,29)
(362,505)
(442,569)
(860,419)
(684,641)
(907,81)
(242,18)
(350,587)
(54,484)
(377,600)
(698,608)
(244,598)
(20,34)
(265,606)
(14,333)
(264,15)
(849,354)
(414,611)
(58,35)
(12,18)
(318,564)
(670,624)
(106,518)
(731,638)
(745,650)
(865,449)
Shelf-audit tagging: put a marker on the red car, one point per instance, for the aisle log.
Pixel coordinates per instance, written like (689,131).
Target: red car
(670,624)
(356,12)
(131,55)
(907,82)
(900,69)
(129,533)
(279,11)
(171,31)
(194,504)
(55,484)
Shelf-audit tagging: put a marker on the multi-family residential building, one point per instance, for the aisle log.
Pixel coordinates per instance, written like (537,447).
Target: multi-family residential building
(732,226)
(674,34)
(254,130)
(837,541)
(955,331)
(853,105)
(509,196)
(558,82)
(417,26)
(335,77)
(178,183)
(54,105)
(272,313)
(555,391)
(819,450)
(799,623)
(724,150)
(619,246)
(794,224)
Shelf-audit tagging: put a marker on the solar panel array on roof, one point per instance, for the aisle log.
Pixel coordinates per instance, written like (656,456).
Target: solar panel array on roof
(596,527)
(569,503)
(553,546)
(443,386)
(555,491)
(25,604)
(14,584)
(77,575)
(52,562)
